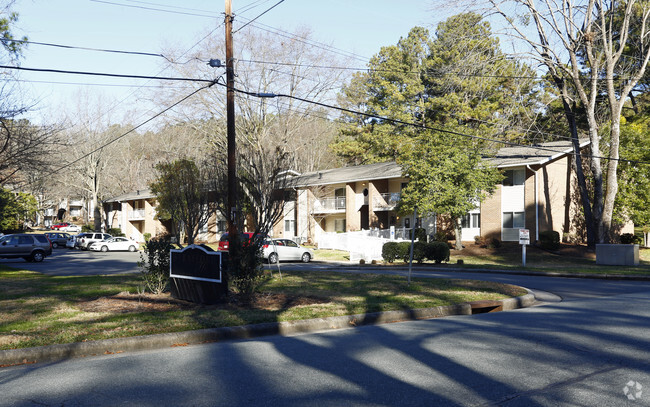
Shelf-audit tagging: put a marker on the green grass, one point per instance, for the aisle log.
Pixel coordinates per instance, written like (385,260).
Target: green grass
(38,310)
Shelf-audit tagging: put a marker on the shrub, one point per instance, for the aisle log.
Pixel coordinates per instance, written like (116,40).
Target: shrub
(88,228)
(389,251)
(362,261)
(549,240)
(245,267)
(630,238)
(440,236)
(146,236)
(493,243)
(438,252)
(420,251)
(154,264)
(404,251)
(478,240)
(115,232)
(421,235)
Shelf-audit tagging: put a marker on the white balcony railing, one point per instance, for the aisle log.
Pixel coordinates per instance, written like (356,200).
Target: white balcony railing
(136,214)
(49,212)
(385,201)
(76,202)
(329,205)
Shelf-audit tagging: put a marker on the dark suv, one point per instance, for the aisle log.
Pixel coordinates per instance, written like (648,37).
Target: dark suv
(29,247)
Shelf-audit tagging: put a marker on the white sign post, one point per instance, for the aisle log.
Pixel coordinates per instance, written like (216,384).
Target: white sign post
(524,239)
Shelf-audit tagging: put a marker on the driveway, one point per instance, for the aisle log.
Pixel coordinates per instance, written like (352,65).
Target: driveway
(66,262)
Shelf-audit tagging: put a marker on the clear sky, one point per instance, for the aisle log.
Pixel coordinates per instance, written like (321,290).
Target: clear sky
(359,26)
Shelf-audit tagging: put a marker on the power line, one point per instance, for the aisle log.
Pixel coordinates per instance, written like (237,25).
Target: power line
(100,84)
(405,123)
(112,75)
(260,15)
(135,128)
(156,9)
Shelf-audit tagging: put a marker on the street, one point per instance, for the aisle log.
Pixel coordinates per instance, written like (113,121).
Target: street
(590,349)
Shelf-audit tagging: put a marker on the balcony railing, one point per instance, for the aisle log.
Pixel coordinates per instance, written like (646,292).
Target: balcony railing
(385,201)
(136,214)
(76,202)
(329,205)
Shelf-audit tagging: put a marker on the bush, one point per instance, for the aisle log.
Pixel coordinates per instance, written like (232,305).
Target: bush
(421,235)
(630,238)
(88,228)
(493,243)
(438,252)
(245,267)
(389,252)
(146,236)
(549,240)
(420,251)
(154,264)
(440,236)
(115,232)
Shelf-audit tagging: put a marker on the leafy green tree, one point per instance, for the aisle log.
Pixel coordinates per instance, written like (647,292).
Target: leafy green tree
(16,210)
(446,177)
(633,198)
(183,194)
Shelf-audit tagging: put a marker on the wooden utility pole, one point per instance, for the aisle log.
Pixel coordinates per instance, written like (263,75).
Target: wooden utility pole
(230,119)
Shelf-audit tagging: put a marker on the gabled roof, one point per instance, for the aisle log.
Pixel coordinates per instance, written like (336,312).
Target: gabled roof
(132,196)
(512,156)
(357,173)
(537,154)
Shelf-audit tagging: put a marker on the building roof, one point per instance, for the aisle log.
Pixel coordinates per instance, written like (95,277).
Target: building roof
(131,196)
(537,154)
(357,173)
(511,156)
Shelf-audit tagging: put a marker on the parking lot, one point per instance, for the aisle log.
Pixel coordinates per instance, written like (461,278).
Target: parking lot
(66,262)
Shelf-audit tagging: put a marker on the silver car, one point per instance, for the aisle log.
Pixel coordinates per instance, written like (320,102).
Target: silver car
(284,250)
(30,247)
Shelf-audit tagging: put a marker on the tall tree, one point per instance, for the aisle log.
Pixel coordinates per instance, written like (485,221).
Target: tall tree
(583,46)
(183,193)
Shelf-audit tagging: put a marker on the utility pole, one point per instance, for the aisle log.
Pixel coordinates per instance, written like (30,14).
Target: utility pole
(230,119)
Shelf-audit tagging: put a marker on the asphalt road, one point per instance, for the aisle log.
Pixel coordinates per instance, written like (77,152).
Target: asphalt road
(66,262)
(591,349)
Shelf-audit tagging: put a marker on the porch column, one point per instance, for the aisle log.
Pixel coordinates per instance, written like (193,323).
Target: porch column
(352,215)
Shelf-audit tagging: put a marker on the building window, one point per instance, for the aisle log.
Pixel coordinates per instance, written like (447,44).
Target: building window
(221,226)
(514,177)
(339,198)
(290,226)
(339,225)
(513,220)
(471,220)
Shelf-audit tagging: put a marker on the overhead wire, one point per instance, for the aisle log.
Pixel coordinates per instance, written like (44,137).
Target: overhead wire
(260,15)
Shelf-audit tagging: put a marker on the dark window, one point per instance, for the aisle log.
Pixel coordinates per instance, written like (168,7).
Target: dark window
(25,240)
(514,177)
(513,220)
(41,239)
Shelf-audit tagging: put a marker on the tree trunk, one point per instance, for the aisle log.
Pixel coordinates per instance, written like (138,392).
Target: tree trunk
(458,232)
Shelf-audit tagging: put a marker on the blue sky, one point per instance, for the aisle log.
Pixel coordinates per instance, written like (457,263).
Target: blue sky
(359,26)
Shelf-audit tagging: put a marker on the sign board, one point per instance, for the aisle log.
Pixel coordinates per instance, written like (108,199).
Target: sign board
(198,274)
(195,263)
(524,236)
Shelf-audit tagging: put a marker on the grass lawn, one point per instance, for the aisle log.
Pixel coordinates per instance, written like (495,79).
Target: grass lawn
(40,310)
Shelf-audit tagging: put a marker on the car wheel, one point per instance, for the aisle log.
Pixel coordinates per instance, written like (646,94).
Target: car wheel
(273,258)
(38,257)
(131,248)
(54,245)
(104,248)
(306,257)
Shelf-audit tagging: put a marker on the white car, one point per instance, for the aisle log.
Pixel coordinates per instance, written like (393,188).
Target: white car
(71,229)
(285,249)
(114,244)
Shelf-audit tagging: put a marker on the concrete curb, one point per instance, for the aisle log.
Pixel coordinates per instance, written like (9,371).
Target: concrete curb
(55,353)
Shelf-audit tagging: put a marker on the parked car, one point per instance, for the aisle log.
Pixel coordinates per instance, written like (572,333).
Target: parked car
(58,239)
(29,247)
(285,249)
(223,241)
(115,244)
(58,226)
(86,239)
(72,241)
(71,228)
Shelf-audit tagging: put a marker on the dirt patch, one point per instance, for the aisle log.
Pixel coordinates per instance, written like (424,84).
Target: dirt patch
(145,302)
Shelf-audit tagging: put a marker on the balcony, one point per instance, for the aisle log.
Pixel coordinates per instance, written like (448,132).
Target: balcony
(136,214)
(329,205)
(49,212)
(385,201)
(76,202)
